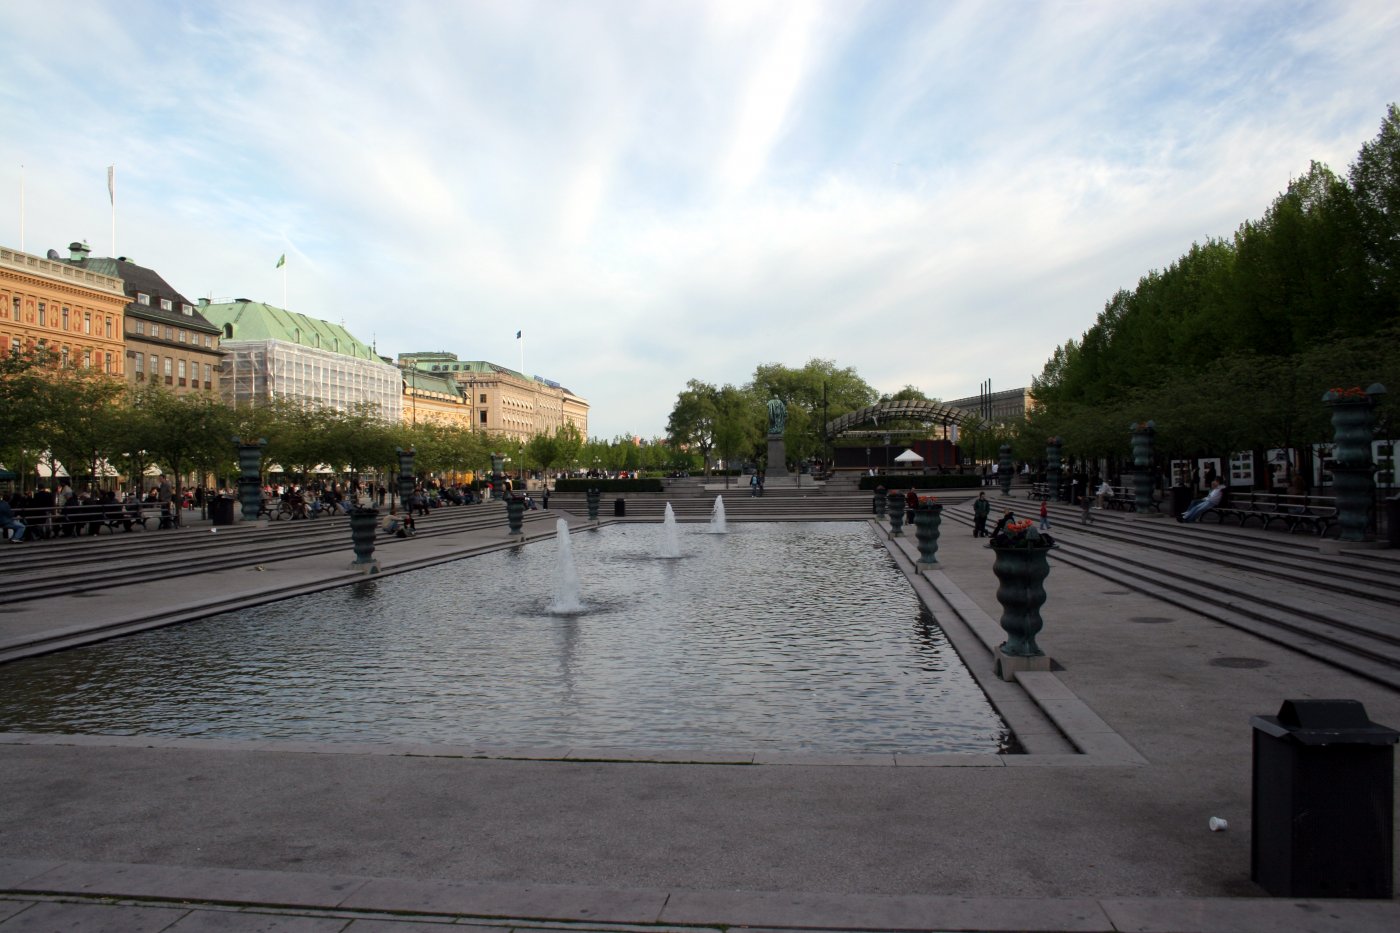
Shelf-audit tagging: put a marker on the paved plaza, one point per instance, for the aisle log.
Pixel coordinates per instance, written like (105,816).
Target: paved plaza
(1135,741)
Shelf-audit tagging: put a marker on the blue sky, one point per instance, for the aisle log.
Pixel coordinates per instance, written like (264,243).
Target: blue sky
(933,193)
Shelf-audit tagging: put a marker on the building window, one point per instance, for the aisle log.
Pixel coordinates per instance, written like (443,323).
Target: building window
(208,375)
(65,317)
(107,366)
(483,398)
(109,328)
(63,356)
(169,333)
(87,322)
(42,316)
(182,372)
(140,363)
(155,365)
(141,327)
(169,365)
(187,310)
(483,417)
(208,341)
(181,337)
(167,305)
(142,298)
(87,359)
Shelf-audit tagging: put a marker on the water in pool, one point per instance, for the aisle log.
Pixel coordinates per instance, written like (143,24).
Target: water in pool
(799,637)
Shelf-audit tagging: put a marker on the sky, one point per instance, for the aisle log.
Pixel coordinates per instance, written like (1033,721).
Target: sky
(933,194)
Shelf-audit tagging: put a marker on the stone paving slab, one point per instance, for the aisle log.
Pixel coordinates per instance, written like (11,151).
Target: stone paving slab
(885,913)
(538,901)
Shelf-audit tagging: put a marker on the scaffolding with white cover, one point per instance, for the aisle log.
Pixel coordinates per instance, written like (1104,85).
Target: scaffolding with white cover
(254,372)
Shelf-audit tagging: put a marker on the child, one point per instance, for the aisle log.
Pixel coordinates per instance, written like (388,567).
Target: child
(1044,516)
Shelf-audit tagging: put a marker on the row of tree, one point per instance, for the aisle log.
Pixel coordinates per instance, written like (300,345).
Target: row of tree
(1232,346)
(96,426)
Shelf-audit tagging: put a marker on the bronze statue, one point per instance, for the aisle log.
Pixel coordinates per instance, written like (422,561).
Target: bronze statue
(777,416)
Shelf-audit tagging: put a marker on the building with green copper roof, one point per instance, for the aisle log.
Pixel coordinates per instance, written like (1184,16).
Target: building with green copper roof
(272,352)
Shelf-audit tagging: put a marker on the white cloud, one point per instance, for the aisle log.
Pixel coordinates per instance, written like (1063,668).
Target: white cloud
(935,194)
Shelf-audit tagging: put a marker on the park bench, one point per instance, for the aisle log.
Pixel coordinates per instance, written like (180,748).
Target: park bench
(1312,514)
(124,516)
(1038,491)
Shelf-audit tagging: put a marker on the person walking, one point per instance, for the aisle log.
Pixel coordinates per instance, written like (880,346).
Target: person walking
(1085,516)
(980,510)
(1044,515)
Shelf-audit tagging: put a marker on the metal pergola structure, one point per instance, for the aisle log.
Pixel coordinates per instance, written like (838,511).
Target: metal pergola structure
(904,410)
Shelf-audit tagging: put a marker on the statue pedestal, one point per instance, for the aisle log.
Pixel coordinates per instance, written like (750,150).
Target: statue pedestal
(777,457)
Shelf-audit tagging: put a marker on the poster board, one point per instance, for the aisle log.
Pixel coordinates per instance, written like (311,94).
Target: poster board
(1242,469)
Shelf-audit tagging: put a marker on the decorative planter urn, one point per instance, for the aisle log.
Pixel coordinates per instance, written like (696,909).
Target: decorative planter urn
(250,477)
(364,523)
(895,502)
(1021,571)
(1353,473)
(1004,469)
(927,519)
(515,513)
(878,503)
(593,496)
(1143,434)
(405,476)
(1052,468)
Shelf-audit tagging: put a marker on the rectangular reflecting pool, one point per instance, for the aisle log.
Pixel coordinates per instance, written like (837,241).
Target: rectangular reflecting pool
(801,637)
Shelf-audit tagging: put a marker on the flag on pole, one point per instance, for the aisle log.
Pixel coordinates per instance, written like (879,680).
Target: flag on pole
(517,335)
(281,260)
(112,184)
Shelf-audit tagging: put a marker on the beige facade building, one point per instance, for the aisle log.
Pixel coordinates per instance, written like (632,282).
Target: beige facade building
(74,312)
(501,400)
(432,398)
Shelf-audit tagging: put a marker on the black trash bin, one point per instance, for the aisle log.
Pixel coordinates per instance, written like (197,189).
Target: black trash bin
(1180,500)
(620,507)
(221,510)
(1323,801)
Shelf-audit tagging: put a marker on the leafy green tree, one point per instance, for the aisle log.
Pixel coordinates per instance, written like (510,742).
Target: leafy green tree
(692,420)
(180,433)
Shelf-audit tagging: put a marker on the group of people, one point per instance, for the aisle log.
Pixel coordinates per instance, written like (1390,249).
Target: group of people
(64,512)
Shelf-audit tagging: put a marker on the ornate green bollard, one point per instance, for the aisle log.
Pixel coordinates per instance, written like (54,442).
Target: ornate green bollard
(927,519)
(1005,469)
(593,496)
(895,501)
(364,524)
(1353,473)
(1052,468)
(405,476)
(1143,434)
(878,504)
(1021,566)
(250,477)
(515,512)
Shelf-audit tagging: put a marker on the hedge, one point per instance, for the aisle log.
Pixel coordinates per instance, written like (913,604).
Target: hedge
(931,481)
(606,486)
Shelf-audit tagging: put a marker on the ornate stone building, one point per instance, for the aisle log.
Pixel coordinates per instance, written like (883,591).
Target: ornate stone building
(57,304)
(503,401)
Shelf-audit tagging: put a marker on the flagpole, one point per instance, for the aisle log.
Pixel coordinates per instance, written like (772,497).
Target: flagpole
(112,195)
(521,340)
(284,286)
(21,208)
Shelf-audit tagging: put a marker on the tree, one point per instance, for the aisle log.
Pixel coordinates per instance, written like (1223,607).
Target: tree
(692,419)
(78,421)
(180,433)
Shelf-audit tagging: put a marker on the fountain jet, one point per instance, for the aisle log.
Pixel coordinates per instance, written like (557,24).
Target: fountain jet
(566,590)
